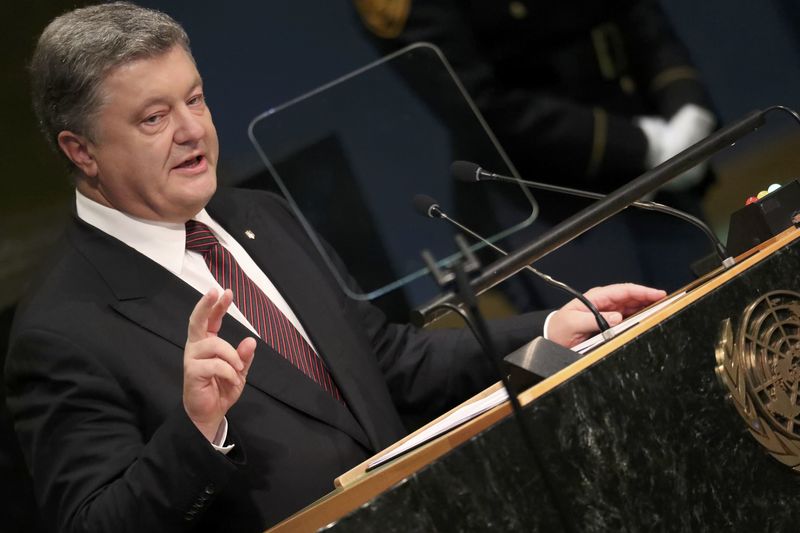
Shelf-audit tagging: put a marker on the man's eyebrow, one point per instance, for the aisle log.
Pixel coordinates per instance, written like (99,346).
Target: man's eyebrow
(198,82)
(152,101)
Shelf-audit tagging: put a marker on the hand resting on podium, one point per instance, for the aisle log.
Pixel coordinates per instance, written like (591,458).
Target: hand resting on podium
(574,323)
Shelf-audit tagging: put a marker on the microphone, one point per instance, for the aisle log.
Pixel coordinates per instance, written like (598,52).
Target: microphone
(471,172)
(428,207)
(599,211)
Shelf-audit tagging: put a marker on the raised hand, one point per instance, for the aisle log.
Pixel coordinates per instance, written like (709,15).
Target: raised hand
(214,372)
(573,323)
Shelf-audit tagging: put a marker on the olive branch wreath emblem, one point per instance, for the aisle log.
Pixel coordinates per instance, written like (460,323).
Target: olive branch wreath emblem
(760,369)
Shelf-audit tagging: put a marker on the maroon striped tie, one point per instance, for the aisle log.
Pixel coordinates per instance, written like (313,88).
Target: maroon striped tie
(270,323)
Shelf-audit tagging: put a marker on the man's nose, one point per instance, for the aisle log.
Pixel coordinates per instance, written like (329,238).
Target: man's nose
(190,126)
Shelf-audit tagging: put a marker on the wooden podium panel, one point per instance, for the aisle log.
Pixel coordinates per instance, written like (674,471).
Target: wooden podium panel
(636,436)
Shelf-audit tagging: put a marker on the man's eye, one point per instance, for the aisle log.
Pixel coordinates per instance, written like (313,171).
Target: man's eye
(152,119)
(197,100)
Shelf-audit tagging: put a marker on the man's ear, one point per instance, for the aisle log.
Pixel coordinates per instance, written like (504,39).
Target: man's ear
(76,148)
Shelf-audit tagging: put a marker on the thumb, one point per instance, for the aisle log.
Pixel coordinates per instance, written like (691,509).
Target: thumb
(612,317)
(247,350)
(585,324)
(570,327)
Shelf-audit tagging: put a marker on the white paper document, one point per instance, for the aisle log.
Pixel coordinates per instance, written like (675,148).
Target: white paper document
(463,414)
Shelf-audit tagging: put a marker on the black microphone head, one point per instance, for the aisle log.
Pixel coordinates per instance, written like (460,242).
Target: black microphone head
(465,171)
(426,206)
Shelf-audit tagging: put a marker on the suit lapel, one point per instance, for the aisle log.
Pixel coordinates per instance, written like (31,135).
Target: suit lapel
(146,293)
(151,296)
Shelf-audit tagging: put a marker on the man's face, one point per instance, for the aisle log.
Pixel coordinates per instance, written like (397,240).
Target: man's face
(154,149)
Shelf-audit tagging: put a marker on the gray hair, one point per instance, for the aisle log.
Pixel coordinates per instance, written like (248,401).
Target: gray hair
(78,49)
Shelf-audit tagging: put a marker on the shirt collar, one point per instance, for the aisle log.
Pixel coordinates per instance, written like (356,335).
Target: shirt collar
(163,242)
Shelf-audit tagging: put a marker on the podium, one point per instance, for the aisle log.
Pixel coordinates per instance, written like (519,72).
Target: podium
(642,434)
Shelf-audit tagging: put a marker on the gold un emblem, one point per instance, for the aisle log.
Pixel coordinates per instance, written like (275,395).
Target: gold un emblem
(761,371)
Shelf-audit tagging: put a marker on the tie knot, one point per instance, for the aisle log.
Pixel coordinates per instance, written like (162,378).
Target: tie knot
(199,237)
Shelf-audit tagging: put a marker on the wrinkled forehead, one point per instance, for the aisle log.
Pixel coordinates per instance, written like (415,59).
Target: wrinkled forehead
(155,76)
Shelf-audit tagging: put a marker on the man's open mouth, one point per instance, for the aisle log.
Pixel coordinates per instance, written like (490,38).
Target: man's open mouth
(191,163)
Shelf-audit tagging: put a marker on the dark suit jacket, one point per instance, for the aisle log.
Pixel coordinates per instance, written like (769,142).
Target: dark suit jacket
(94,378)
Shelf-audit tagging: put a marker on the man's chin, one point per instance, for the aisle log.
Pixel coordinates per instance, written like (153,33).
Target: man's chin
(197,200)
(190,199)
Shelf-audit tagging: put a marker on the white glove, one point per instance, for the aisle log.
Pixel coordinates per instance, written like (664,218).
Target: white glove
(665,139)
(655,130)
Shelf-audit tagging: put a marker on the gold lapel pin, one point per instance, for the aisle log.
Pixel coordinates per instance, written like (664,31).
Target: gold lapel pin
(250,234)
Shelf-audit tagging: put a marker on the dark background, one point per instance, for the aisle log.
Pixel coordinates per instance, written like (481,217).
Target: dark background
(257,55)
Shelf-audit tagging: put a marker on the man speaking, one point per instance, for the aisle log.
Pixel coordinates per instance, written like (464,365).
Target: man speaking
(128,422)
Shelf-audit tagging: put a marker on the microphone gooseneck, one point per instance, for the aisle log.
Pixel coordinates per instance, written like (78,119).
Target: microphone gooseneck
(471,172)
(428,207)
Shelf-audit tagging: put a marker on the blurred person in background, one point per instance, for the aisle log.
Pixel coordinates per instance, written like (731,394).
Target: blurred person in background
(581,94)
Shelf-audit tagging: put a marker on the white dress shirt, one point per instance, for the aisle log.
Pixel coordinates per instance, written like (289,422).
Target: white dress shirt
(165,243)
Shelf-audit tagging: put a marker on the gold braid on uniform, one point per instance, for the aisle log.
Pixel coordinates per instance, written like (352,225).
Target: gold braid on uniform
(599,139)
(384,18)
(671,75)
